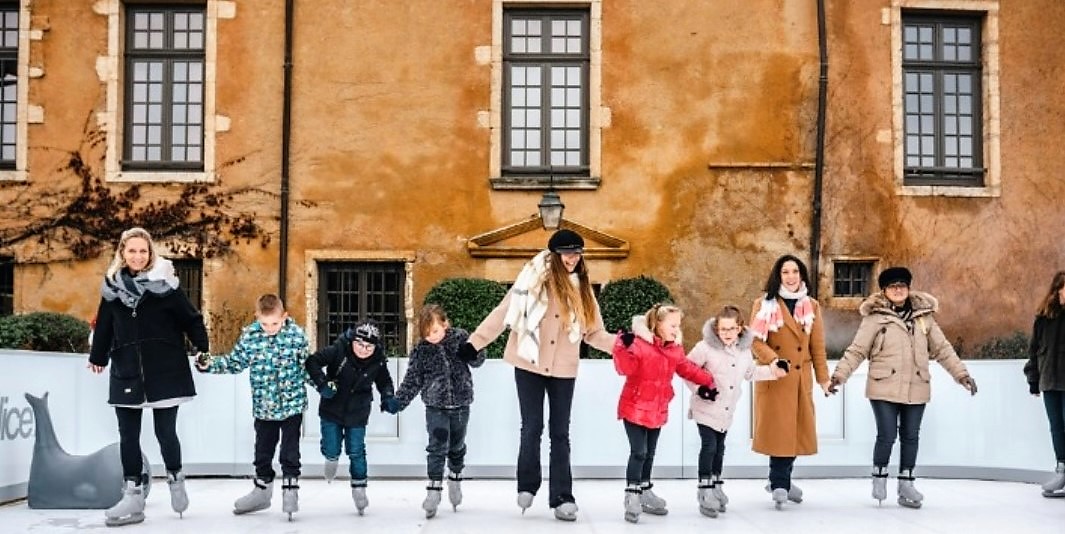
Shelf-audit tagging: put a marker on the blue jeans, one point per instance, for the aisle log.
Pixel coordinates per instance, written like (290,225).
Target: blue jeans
(354,440)
(1055,405)
(896,418)
(531,390)
(447,440)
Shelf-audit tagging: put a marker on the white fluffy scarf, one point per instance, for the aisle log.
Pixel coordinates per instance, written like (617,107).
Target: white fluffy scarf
(528,305)
(770,318)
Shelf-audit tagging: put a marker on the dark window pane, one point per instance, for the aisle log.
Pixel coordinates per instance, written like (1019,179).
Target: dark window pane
(190,279)
(353,291)
(7,285)
(851,278)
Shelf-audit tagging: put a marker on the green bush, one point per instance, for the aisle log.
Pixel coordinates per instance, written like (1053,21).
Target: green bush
(1014,346)
(467,302)
(622,299)
(44,331)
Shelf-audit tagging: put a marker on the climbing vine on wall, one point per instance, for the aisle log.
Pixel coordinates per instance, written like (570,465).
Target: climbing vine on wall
(196,220)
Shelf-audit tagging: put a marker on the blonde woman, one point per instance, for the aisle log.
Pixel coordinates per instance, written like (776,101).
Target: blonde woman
(550,310)
(141,327)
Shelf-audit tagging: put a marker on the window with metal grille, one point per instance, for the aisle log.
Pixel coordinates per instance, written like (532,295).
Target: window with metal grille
(942,100)
(190,279)
(851,278)
(164,86)
(545,92)
(8,83)
(7,285)
(349,292)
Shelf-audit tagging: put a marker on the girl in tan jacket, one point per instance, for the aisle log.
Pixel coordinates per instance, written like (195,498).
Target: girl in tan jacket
(899,336)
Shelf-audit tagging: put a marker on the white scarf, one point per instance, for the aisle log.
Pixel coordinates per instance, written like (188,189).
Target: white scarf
(770,318)
(528,305)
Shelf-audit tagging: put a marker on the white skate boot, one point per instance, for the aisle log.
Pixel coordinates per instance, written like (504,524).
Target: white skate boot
(130,509)
(179,499)
(908,494)
(650,502)
(633,508)
(290,496)
(454,490)
(708,502)
(358,494)
(1055,487)
(257,499)
(880,484)
(432,498)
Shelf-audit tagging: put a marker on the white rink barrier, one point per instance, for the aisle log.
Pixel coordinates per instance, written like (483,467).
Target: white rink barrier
(1000,434)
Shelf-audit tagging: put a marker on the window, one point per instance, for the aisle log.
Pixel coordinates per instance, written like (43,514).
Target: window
(164,88)
(190,279)
(7,285)
(851,278)
(9,38)
(545,93)
(349,292)
(942,100)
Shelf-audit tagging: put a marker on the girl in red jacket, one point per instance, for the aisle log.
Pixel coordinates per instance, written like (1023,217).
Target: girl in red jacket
(648,357)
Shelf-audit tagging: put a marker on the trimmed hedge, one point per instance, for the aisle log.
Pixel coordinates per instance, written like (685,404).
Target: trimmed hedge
(467,302)
(1014,346)
(44,331)
(622,299)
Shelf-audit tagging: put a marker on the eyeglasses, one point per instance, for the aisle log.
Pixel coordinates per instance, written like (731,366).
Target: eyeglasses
(898,286)
(730,329)
(363,345)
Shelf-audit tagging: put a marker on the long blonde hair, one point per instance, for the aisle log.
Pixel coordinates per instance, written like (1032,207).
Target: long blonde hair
(118,263)
(571,298)
(658,313)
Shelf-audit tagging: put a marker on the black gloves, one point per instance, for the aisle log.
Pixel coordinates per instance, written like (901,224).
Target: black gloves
(1033,388)
(706,393)
(467,352)
(833,386)
(627,338)
(969,384)
(783,364)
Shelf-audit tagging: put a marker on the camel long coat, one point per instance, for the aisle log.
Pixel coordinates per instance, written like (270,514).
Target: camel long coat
(784,419)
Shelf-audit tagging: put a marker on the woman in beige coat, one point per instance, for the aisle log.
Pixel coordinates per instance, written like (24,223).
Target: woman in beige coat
(550,310)
(899,336)
(787,325)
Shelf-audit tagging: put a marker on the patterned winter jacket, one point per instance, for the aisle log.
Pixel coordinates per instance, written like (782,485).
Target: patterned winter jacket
(436,372)
(648,366)
(277,377)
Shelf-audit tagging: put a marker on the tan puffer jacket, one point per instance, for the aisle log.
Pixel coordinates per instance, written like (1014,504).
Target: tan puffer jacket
(898,359)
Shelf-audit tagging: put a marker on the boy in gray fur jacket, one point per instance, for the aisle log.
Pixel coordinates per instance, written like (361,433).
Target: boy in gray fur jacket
(443,378)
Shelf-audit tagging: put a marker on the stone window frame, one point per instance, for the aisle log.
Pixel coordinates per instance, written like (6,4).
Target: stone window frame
(110,72)
(991,185)
(25,114)
(851,301)
(598,116)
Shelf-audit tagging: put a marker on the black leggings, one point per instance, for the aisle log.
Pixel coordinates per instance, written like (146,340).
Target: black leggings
(642,444)
(129,432)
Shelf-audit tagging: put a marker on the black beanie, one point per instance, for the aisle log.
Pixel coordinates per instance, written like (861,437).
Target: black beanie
(566,241)
(894,274)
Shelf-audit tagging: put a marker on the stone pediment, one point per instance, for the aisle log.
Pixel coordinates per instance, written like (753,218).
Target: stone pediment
(524,239)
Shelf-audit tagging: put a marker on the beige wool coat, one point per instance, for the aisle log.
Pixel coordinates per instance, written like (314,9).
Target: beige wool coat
(559,356)
(784,419)
(898,358)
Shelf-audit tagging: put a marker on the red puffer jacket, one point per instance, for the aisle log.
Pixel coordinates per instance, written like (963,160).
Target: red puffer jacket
(648,366)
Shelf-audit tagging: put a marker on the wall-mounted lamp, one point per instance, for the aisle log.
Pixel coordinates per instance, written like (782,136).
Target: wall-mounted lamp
(551,207)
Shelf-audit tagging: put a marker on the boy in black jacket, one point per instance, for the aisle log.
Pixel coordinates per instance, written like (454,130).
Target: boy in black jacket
(443,379)
(344,374)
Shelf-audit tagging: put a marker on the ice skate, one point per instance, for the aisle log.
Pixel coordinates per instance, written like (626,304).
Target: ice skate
(908,494)
(130,509)
(880,484)
(454,490)
(708,502)
(257,499)
(179,499)
(358,494)
(566,511)
(795,494)
(632,504)
(329,469)
(290,496)
(432,498)
(1055,487)
(650,502)
(780,496)
(719,492)
(525,500)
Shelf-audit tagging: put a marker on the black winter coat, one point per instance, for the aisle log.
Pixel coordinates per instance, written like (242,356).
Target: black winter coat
(436,372)
(145,347)
(1045,370)
(354,379)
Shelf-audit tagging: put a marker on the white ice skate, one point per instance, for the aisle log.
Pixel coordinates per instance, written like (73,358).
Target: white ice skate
(358,494)
(257,499)
(454,490)
(130,509)
(179,499)
(290,496)
(432,498)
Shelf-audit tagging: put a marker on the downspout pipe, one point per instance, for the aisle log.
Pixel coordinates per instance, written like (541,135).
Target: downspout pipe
(286,141)
(819,157)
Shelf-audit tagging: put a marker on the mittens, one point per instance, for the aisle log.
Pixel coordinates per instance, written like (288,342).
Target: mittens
(1033,388)
(706,393)
(467,352)
(833,385)
(627,338)
(783,364)
(390,404)
(328,390)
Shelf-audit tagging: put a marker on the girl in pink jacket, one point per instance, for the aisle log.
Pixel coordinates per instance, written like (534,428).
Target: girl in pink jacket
(725,352)
(648,357)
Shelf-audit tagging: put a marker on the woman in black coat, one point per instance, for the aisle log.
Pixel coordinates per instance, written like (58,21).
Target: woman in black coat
(141,326)
(1045,372)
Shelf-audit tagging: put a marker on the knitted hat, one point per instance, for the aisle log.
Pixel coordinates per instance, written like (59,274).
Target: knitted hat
(894,274)
(365,331)
(566,241)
